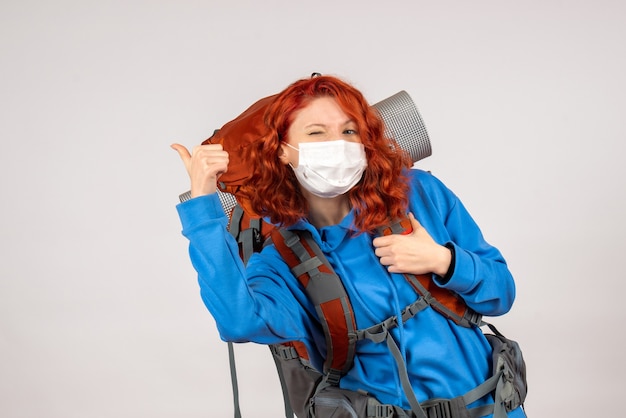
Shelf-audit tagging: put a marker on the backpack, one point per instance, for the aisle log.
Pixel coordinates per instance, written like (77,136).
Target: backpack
(311,393)
(307,391)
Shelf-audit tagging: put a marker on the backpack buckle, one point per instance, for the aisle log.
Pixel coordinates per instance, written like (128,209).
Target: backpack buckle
(257,240)
(284,352)
(333,377)
(379,411)
(438,408)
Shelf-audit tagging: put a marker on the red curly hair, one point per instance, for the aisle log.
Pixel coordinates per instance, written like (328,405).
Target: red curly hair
(273,189)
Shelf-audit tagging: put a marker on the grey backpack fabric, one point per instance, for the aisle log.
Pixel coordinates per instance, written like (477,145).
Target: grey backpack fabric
(511,391)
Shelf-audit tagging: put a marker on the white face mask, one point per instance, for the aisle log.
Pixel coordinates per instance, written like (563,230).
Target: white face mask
(330,168)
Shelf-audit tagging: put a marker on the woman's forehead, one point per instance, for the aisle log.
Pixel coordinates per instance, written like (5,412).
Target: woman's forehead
(321,111)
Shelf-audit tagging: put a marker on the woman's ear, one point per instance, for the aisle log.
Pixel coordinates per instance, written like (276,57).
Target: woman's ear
(283,154)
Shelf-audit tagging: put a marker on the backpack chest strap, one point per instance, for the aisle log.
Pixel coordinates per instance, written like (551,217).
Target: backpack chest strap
(377,332)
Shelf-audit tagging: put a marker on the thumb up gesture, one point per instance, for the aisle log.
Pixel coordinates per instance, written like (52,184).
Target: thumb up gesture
(415,253)
(205,164)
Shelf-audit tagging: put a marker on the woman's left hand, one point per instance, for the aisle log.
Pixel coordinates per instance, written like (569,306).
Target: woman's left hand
(415,253)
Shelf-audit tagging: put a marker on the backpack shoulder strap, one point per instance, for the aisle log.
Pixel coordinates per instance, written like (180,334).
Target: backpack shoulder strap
(325,289)
(250,233)
(444,301)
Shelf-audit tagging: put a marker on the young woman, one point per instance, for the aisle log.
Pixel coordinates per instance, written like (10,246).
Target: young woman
(325,166)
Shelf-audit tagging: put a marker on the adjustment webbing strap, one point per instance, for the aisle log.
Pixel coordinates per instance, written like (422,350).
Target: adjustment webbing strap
(234,229)
(233,379)
(246,238)
(407,313)
(441,408)
(435,408)
(382,334)
(468,319)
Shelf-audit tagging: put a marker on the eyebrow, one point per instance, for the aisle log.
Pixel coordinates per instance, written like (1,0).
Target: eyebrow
(315,125)
(321,125)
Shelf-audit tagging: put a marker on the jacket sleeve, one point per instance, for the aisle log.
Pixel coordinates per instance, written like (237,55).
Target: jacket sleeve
(237,305)
(481,276)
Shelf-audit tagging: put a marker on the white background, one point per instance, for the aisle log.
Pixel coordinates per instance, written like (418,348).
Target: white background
(99,308)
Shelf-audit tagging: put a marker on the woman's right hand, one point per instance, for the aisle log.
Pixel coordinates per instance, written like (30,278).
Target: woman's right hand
(205,164)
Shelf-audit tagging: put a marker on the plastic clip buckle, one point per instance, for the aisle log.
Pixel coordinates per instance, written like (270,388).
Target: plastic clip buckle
(379,411)
(439,408)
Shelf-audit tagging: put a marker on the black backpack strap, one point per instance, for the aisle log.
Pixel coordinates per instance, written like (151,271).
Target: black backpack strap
(248,236)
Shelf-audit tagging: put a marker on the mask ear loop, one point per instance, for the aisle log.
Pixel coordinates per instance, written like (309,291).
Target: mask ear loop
(291,146)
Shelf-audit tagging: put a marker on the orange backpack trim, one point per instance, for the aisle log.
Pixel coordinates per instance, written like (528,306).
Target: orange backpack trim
(327,294)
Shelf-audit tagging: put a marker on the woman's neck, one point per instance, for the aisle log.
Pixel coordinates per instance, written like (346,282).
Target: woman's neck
(327,211)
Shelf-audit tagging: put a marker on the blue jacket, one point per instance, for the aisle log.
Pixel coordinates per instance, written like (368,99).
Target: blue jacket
(264,302)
